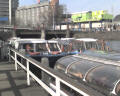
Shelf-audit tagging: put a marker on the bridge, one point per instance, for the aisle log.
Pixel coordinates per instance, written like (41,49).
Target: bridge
(10,31)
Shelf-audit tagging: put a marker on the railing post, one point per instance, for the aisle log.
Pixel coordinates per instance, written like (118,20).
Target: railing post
(57,87)
(16,61)
(9,55)
(28,74)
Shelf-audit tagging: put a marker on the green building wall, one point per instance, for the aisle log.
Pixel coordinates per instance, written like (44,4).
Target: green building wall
(91,16)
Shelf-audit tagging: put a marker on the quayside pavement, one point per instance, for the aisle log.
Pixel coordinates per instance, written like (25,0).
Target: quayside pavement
(13,83)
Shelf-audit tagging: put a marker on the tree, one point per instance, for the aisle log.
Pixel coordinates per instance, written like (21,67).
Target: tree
(56,14)
(59,13)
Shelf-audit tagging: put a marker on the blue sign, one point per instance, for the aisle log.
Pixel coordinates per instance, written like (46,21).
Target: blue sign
(4,19)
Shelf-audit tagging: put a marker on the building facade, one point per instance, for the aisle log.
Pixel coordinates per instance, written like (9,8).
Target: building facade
(34,16)
(7,11)
(87,16)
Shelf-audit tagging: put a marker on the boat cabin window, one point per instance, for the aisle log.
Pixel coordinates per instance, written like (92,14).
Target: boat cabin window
(65,48)
(91,45)
(24,46)
(41,47)
(53,46)
(68,47)
(78,45)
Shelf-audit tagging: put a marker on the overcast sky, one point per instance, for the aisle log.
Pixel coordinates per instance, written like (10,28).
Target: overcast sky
(113,6)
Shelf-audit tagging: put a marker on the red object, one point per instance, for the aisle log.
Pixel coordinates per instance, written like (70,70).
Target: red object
(55,52)
(31,53)
(54,2)
(38,1)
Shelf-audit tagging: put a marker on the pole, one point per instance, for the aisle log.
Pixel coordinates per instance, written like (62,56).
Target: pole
(53,17)
(113,16)
(16,62)
(28,74)
(67,24)
(10,12)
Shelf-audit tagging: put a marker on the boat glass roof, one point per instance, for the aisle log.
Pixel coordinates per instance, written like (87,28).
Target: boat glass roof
(82,67)
(104,76)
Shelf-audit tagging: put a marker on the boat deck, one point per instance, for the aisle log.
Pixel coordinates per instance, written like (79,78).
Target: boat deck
(13,83)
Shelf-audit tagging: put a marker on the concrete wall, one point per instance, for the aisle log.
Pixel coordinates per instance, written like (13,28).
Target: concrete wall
(99,35)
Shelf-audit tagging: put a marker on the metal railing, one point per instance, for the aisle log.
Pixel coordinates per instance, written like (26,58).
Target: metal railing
(26,63)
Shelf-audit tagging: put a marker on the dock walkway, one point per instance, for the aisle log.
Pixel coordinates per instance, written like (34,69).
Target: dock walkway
(13,83)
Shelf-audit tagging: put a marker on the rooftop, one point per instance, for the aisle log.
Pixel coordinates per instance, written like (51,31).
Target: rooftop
(34,5)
